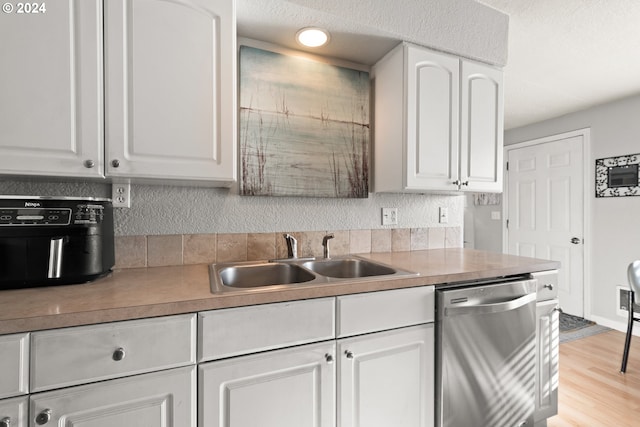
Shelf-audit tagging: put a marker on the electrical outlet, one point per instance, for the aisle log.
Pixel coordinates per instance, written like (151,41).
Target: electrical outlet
(389,216)
(622,301)
(443,215)
(121,195)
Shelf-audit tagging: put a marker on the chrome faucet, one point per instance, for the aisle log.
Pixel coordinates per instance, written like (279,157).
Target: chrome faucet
(292,246)
(325,244)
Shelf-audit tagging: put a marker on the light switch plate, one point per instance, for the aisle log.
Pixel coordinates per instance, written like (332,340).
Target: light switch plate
(443,215)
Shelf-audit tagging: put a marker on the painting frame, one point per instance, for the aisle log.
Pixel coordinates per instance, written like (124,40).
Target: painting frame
(304,124)
(605,167)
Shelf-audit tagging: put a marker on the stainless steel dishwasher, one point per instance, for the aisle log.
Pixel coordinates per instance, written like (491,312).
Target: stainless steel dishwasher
(485,353)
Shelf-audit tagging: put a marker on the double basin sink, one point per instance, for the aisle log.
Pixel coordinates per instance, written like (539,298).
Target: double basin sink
(294,272)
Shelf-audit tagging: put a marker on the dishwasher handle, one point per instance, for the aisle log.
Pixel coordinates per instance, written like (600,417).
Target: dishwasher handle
(491,308)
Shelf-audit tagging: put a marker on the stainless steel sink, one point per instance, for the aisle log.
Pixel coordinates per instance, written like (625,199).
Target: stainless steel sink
(262,274)
(348,268)
(244,276)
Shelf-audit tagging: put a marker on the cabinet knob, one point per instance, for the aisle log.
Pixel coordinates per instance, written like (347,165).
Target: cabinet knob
(465,183)
(456,182)
(89,163)
(119,354)
(349,354)
(5,422)
(43,417)
(328,358)
(115,163)
(548,286)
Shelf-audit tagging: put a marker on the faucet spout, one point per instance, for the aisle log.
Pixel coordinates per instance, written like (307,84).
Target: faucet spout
(292,246)
(325,244)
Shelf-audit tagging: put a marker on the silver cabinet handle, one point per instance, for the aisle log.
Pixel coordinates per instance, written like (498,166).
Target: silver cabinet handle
(89,163)
(456,182)
(5,422)
(465,183)
(43,417)
(548,286)
(119,354)
(349,354)
(575,240)
(115,163)
(328,358)
(55,258)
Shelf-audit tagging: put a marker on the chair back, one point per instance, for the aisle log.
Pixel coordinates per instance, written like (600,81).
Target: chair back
(634,278)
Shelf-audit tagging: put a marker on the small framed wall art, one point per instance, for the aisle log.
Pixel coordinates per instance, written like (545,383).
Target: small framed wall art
(618,176)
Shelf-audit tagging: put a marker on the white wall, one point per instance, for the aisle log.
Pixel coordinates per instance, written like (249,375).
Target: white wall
(158,209)
(615,221)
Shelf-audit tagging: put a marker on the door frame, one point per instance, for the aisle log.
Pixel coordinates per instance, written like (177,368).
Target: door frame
(588,191)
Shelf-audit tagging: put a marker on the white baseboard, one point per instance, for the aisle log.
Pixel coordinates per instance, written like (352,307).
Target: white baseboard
(618,326)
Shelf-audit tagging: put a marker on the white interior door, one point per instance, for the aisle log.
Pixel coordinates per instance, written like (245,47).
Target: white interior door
(545,211)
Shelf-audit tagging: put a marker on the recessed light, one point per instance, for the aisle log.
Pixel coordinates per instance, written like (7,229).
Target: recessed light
(312,37)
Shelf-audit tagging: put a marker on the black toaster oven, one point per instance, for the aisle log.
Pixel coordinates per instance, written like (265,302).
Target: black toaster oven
(48,241)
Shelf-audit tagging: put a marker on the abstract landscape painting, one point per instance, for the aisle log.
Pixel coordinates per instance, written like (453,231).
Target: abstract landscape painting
(304,127)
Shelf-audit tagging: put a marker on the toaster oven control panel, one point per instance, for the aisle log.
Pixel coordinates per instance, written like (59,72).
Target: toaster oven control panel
(35,216)
(51,213)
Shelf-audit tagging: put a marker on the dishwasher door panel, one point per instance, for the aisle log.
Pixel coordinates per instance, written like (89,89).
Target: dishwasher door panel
(486,356)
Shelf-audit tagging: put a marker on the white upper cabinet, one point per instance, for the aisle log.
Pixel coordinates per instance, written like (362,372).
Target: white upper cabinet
(481,128)
(51,103)
(152,98)
(438,123)
(170,89)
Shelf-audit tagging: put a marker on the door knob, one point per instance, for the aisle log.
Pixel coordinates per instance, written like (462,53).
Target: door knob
(575,240)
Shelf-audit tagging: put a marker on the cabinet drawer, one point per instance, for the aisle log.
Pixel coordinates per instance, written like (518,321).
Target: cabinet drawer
(377,311)
(15,410)
(547,287)
(64,357)
(14,366)
(234,331)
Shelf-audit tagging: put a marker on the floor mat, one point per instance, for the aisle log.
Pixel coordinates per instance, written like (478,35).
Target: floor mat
(569,322)
(574,328)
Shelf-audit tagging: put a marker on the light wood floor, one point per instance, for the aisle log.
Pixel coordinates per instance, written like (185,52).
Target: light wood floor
(593,392)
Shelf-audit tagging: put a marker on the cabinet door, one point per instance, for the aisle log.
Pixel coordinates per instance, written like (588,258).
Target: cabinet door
(432,84)
(387,379)
(14,412)
(170,89)
(481,128)
(284,388)
(14,365)
(51,112)
(163,399)
(547,351)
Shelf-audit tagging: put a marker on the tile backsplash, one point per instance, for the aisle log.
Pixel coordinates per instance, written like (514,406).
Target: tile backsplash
(179,249)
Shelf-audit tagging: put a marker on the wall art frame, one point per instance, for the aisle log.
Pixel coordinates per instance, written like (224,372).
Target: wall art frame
(618,176)
(304,125)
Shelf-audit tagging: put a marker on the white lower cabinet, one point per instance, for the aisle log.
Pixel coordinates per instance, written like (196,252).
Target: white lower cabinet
(294,387)
(165,398)
(387,379)
(14,365)
(14,412)
(547,353)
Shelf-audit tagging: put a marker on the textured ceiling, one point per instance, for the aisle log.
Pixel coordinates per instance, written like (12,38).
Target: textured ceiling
(568,55)
(363,31)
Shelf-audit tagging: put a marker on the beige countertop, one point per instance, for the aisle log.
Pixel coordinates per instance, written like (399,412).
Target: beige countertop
(148,292)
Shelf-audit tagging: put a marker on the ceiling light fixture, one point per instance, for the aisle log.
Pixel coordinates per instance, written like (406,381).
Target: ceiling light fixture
(312,37)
